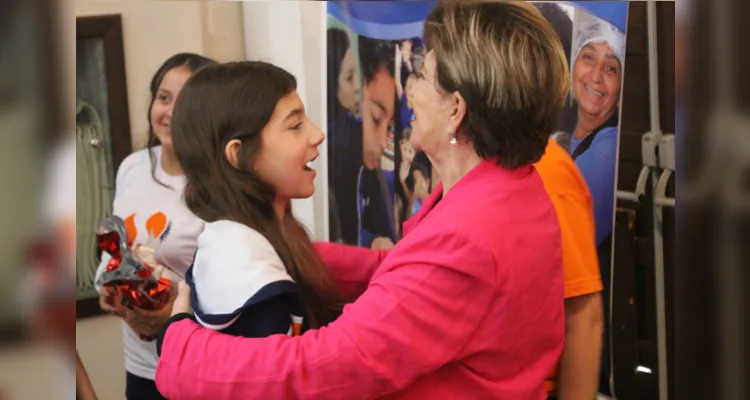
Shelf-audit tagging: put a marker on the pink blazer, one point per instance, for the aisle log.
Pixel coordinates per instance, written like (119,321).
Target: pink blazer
(468,305)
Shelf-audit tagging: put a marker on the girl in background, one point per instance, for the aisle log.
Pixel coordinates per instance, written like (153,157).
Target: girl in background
(148,197)
(344,98)
(343,108)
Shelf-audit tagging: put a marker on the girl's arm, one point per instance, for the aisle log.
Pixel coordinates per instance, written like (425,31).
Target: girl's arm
(351,266)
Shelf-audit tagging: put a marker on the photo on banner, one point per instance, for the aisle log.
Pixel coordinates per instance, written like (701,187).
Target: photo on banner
(377,181)
(593,35)
(374,55)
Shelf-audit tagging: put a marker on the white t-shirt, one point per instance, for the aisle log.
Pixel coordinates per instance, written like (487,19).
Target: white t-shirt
(163,223)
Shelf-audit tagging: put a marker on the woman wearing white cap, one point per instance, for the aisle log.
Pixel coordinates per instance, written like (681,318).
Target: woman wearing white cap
(596,80)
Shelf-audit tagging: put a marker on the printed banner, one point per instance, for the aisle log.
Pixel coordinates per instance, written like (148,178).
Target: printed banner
(377,181)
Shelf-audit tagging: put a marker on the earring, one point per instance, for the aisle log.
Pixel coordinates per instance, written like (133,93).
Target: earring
(454,138)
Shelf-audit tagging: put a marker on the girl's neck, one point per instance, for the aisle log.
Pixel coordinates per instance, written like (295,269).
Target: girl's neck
(279,207)
(169,162)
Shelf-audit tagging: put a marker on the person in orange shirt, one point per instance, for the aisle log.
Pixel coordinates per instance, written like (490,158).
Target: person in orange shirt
(578,372)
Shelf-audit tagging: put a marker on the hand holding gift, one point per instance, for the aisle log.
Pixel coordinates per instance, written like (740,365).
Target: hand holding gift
(137,290)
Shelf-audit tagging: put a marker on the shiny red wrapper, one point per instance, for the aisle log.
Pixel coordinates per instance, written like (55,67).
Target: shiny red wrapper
(132,282)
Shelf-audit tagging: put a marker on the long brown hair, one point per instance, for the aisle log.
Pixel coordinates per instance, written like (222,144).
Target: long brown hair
(235,101)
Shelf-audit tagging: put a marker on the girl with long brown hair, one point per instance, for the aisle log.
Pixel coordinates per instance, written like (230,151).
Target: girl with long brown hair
(245,144)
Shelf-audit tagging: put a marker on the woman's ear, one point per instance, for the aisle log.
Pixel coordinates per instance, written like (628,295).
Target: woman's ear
(458,111)
(232,152)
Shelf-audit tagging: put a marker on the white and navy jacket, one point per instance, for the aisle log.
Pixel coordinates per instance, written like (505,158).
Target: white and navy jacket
(239,284)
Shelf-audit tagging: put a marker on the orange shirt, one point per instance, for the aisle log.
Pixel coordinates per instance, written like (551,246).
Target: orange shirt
(575,212)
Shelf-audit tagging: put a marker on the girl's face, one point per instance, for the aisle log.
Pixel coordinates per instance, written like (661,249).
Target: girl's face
(421,184)
(407,152)
(410,81)
(161,108)
(289,143)
(348,94)
(377,117)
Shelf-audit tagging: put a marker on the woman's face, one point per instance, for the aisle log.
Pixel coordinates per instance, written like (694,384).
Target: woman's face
(430,125)
(289,142)
(377,116)
(348,93)
(597,79)
(161,108)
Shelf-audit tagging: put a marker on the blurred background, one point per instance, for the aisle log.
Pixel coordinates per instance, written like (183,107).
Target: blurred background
(706,269)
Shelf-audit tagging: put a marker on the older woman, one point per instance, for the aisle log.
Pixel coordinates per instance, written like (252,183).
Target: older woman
(469,304)
(596,80)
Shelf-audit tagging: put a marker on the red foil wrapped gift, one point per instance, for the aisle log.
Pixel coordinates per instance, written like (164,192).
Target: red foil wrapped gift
(132,282)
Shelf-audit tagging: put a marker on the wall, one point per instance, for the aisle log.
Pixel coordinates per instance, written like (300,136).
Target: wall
(291,36)
(152,31)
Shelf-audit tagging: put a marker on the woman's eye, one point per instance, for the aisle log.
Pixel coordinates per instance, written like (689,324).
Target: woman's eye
(612,70)
(297,126)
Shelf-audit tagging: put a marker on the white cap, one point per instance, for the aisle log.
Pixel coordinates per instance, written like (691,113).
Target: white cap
(594,30)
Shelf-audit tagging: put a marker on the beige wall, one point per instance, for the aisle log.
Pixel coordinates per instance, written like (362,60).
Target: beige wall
(152,32)
(155,30)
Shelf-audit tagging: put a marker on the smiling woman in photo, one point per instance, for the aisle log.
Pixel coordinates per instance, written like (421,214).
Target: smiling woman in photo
(596,80)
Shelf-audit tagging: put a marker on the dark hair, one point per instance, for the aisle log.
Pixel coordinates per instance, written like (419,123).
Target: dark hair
(375,55)
(338,44)
(491,52)
(417,165)
(192,62)
(235,101)
(562,23)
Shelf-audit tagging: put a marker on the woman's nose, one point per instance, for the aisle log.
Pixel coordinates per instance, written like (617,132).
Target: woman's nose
(597,73)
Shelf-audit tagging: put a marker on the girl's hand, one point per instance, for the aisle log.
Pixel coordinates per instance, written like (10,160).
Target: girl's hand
(106,300)
(382,243)
(148,323)
(182,302)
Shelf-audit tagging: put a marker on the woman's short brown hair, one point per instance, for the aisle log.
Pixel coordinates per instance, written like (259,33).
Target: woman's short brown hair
(508,64)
